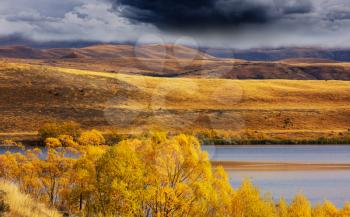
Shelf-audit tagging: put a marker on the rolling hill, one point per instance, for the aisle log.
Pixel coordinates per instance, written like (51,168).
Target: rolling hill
(175,61)
(31,95)
(171,88)
(102,51)
(276,54)
(23,52)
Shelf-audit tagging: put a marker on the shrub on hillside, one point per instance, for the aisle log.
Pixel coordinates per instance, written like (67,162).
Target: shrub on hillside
(52,143)
(92,137)
(54,130)
(4,207)
(114,137)
(67,141)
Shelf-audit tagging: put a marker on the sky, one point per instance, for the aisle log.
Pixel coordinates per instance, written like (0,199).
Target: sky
(212,23)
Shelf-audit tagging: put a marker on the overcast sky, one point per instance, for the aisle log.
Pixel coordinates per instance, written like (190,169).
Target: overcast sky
(218,23)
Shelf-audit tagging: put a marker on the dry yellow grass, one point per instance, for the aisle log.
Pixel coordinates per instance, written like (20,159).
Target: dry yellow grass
(290,107)
(22,205)
(270,105)
(224,93)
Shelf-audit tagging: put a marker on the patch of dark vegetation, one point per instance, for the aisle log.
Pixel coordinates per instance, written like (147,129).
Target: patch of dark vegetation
(4,207)
(55,129)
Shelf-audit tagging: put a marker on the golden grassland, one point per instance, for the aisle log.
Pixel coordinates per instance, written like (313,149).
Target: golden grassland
(22,205)
(308,109)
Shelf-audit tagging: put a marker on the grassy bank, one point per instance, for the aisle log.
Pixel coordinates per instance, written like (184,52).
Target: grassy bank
(13,203)
(209,137)
(261,138)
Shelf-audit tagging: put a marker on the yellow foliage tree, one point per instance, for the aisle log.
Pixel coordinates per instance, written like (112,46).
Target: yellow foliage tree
(282,208)
(300,207)
(345,212)
(92,137)
(160,176)
(247,202)
(327,209)
(153,175)
(83,180)
(119,175)
(54,174)
(54,130)
(53,143)
(67,141)
(223,194)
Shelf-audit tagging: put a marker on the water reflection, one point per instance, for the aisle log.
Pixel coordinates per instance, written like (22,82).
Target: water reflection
(318,185)
(22,150)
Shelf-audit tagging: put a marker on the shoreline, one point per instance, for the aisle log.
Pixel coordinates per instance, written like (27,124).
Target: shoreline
(278,166)
(33,139)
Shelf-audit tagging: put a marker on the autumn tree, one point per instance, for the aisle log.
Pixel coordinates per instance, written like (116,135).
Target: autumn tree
(52,142)
(120,183)
(248,202)
(83,180)
(300,207)
(67,141)
(220,204)
(54,130)
(327,209)
(282,208)
(153,175)
(53,174)
(92,137)
(179,175)
(9,167)
(345,211)
(160,176)
(28,177)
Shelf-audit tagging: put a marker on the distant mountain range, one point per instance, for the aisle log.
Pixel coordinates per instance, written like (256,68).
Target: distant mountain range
(181,61)
(260,54)
(103,51)
(341,55)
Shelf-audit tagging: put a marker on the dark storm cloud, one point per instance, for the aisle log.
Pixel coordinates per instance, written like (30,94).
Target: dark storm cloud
(209,13)
(213,23)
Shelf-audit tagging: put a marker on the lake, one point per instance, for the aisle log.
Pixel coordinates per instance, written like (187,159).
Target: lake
(318,184)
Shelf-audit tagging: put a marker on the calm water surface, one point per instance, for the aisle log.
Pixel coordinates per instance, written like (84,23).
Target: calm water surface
(332,184)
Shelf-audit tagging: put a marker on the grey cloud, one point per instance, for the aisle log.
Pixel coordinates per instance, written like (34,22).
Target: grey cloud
(225,23)
(90,21)
(180,14)
(297,7)
(338,12)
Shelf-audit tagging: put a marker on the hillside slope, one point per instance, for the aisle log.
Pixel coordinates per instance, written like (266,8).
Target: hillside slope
(206,68)
(21,205)
(175,61)
(22,52)
(101,51)
(33,95)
